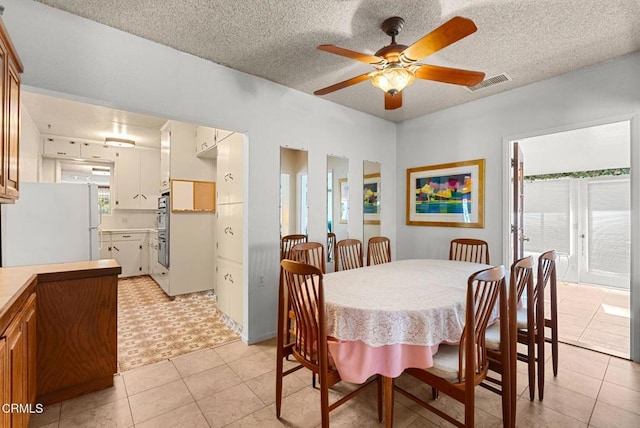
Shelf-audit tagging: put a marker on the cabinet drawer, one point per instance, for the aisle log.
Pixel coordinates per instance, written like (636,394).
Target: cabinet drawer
(123,236)
(229,232)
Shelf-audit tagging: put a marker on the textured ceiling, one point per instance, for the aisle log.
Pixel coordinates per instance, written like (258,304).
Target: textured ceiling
(529,40)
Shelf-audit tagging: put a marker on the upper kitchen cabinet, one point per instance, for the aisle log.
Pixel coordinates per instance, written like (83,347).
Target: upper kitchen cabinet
(61,147)
(165,157)
(136,177)
(230,158)
(10,69)
(207,140)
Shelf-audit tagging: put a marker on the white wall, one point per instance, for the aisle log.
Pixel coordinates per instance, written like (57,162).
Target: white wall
(478,129)
(70,56)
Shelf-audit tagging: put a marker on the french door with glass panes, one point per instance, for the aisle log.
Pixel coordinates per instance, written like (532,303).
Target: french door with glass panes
(604,236)
(587,221)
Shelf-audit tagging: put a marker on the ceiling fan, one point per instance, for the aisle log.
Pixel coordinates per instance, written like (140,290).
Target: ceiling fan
(396,65)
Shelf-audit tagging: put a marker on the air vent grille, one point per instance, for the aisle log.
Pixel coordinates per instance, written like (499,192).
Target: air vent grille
(492,81)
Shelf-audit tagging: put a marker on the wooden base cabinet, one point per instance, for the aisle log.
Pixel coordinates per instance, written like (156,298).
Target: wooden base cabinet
(18,354)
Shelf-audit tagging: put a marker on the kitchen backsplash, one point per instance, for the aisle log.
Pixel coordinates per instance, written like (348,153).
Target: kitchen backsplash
(129,220)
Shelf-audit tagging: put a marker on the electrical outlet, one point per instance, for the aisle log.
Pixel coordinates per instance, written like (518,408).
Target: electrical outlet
(261,281)
(125,220)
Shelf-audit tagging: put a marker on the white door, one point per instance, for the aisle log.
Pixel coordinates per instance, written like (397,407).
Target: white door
(604,230)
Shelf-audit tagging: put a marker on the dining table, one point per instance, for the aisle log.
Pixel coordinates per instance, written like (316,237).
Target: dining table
(385,318)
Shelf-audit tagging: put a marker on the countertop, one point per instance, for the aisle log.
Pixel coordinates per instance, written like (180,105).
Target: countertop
(16,281)
(142,230)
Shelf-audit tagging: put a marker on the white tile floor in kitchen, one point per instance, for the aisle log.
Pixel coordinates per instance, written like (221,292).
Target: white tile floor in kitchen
(233,386)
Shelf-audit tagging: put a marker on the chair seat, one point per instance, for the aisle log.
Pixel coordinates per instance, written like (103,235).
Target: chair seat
(445,362)
(492,336)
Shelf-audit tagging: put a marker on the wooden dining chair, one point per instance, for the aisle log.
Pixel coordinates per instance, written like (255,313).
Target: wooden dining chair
(458,369)
(331,246)
(502,353)
(311,253)
(532,323)
(287,242)
(303,285)
(378,250)
(469,250)
(348,254)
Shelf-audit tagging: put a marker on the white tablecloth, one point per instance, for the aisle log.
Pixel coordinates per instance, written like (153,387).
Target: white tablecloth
(410,302)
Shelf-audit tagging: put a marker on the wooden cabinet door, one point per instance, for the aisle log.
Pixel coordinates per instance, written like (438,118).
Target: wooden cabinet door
(5,381)
(3,136)
(16,347)
(13,143)
(31,338)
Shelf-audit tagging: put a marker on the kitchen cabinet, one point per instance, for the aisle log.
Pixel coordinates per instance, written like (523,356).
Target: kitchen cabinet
(136,179)
(165,157)
(229,169)
(205,142)
(230,289)
(18,353)
(229,232)
(97,152)
(10,69)
(129,249)
(61,147)
(229,228)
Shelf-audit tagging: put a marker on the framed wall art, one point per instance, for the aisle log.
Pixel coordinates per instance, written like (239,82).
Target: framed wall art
(450,195)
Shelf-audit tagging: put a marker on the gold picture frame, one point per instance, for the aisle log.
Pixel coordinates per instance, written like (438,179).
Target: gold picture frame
(447,195)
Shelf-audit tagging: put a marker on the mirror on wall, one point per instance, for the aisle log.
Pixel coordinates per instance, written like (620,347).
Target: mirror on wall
(371,197)
(294,207)
(337,200)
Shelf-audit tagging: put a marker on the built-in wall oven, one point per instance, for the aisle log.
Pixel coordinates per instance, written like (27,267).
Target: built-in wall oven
(163,229)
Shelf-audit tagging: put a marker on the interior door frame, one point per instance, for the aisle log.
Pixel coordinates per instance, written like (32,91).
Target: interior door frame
(634,154)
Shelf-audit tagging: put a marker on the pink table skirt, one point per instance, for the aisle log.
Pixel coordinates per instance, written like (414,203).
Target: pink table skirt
(357,361)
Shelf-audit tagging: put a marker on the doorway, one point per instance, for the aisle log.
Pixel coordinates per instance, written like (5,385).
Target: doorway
(577,200)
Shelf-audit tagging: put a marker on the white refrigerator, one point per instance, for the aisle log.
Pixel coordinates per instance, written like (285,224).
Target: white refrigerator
(51,223)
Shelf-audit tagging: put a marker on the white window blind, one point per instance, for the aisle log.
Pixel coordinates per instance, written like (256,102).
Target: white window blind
(547,220)
(609,225)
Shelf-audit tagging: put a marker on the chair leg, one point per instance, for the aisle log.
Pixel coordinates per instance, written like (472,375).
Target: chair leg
(379,386)
(324,402)
(434,393)
(541,365)
(313,380)
(531,363)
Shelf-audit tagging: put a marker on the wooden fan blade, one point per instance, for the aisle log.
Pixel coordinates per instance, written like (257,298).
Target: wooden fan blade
(392,102)
(449,75)
(342,85)
(449,32)
(358,56)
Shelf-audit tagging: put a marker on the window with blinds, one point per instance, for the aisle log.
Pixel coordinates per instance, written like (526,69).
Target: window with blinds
(609,223)
(104,199)
(547,220)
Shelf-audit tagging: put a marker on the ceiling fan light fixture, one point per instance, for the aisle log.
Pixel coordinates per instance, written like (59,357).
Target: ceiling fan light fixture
(119,142)
(392,79)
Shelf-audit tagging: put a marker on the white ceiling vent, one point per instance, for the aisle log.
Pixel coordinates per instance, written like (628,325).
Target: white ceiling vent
(492,81)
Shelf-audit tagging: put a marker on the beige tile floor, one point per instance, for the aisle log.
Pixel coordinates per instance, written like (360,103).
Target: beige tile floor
(595,317)
(233,386)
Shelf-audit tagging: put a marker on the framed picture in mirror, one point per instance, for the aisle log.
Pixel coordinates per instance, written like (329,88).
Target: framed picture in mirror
(371,198)
(344,200)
